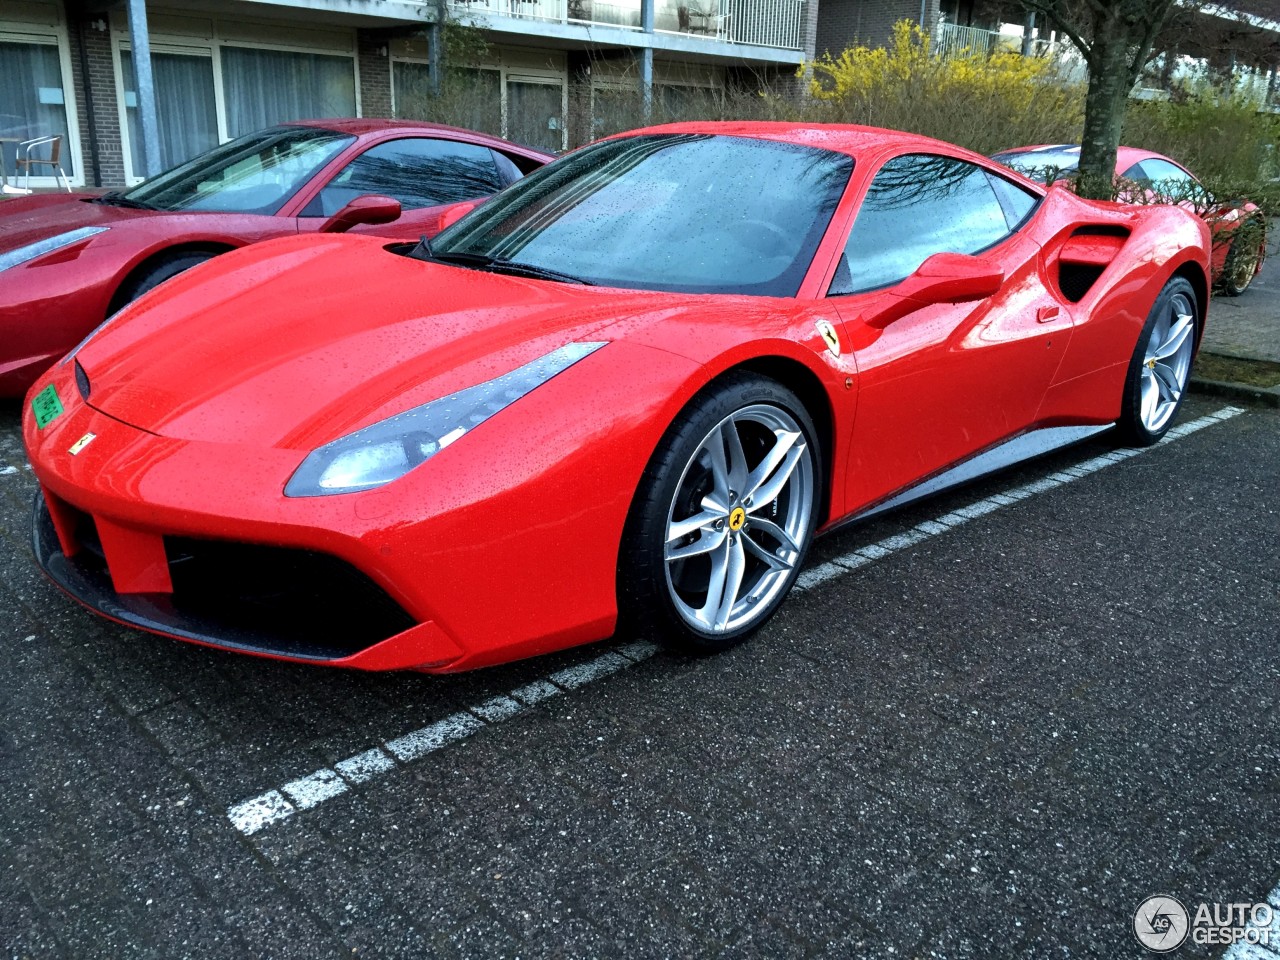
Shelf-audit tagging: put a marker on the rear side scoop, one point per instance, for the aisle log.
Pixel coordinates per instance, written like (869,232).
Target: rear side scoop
(1091,249)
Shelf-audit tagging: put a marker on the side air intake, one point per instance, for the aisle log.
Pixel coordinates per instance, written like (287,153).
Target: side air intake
(1085,254)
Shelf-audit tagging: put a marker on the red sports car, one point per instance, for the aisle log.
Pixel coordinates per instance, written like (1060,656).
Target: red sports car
(1237,253)
(622,395)
(67,262)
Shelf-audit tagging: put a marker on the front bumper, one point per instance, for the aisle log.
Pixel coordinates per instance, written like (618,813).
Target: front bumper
(270,601)
(487,565)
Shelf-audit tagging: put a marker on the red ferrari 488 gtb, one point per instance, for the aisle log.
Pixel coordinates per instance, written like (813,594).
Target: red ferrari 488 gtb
(622,395)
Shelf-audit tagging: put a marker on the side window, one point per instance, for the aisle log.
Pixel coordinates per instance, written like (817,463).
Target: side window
(417,171)
(1136,173)
(1016,201)
(918,205)
(506,167)
(1167,176)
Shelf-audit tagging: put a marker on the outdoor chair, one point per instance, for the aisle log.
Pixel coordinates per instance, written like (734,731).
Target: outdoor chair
(25,160)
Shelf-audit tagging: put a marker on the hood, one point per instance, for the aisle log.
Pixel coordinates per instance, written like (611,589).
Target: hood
(294,342)
(27,220)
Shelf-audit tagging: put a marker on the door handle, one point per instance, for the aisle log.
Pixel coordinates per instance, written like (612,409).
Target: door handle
(1045,314)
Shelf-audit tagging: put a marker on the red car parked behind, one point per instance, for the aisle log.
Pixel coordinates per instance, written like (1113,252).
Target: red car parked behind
(68,262)
(1237,255)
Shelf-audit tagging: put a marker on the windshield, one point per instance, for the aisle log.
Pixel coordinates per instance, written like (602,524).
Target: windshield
(255,174)
(691,213)
(1038,164)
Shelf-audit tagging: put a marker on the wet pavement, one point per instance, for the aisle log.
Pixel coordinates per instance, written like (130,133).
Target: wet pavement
(991,738)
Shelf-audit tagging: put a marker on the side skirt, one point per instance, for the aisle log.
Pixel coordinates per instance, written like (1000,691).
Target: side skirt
(1025,446)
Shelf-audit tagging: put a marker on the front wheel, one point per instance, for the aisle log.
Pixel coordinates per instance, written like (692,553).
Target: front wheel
(723,517)
(1160,366)
(167,266)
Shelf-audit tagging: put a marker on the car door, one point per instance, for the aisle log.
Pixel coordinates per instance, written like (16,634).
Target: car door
(423,173)
(947,380)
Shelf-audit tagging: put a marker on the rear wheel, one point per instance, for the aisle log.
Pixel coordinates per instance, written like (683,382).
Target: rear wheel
(1161,365)
(723,518)
(1243,259)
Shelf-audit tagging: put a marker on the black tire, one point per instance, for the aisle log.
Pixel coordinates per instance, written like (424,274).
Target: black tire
(160,271)
(1244,258)
(1141,426)
(759,541)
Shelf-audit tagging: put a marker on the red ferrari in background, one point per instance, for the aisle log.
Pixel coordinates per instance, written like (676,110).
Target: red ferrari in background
(1237,255)
(622,395)
(67,262)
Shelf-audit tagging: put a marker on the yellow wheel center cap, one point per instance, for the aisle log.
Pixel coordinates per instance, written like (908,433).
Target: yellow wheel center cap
(1151,364)
(737,519)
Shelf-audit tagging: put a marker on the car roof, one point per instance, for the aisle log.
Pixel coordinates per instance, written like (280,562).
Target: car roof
(844,138)
(360,126)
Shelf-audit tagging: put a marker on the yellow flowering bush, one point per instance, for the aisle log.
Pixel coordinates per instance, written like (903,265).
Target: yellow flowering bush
(984,102)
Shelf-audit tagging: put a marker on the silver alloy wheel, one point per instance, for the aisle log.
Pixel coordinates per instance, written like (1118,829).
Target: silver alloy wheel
(737,523)
(1166,363)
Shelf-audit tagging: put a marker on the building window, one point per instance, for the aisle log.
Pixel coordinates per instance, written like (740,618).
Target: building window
(470,97)
(535,112)
(410,89)
(210,89)
(185,107)
(264,87)
(33,97)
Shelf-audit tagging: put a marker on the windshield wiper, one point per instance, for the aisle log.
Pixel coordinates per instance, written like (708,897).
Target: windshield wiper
(117,199)
(481,261)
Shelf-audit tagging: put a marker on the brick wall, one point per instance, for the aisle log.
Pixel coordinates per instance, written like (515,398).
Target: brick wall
(375,75)
(98,109)
(842,23)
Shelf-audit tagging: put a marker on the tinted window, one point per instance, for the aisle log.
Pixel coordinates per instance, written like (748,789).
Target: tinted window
(506,167)
(684,212)
(918,205)
(416,171)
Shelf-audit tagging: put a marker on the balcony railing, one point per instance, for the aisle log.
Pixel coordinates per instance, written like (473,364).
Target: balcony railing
(768,23)
(953,40)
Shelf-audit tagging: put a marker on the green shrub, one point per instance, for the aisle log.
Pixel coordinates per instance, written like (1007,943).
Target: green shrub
(1220,136)
(982,102)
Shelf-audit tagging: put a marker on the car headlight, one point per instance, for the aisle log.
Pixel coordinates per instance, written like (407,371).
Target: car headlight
(13,258)
(389,449)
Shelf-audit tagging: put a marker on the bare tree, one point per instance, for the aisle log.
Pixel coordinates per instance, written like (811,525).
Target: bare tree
(1115,37)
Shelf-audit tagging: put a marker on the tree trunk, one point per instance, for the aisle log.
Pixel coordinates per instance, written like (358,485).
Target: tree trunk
(1104,107)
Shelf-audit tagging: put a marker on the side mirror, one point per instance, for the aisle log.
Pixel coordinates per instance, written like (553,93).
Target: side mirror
(371,208)
(943,278)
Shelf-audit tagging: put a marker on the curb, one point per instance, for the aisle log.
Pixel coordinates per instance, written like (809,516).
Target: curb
(1269,396)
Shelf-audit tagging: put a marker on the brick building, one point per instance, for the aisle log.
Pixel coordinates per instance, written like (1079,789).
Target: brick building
(842,23)
(221,69)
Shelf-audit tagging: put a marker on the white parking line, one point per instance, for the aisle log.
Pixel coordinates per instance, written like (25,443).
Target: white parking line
(256,813)
(846,562)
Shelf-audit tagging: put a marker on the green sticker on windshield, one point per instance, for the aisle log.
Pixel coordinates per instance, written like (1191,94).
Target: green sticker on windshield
(46,406)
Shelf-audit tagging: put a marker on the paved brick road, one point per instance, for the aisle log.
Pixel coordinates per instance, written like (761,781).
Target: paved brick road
(993,743)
